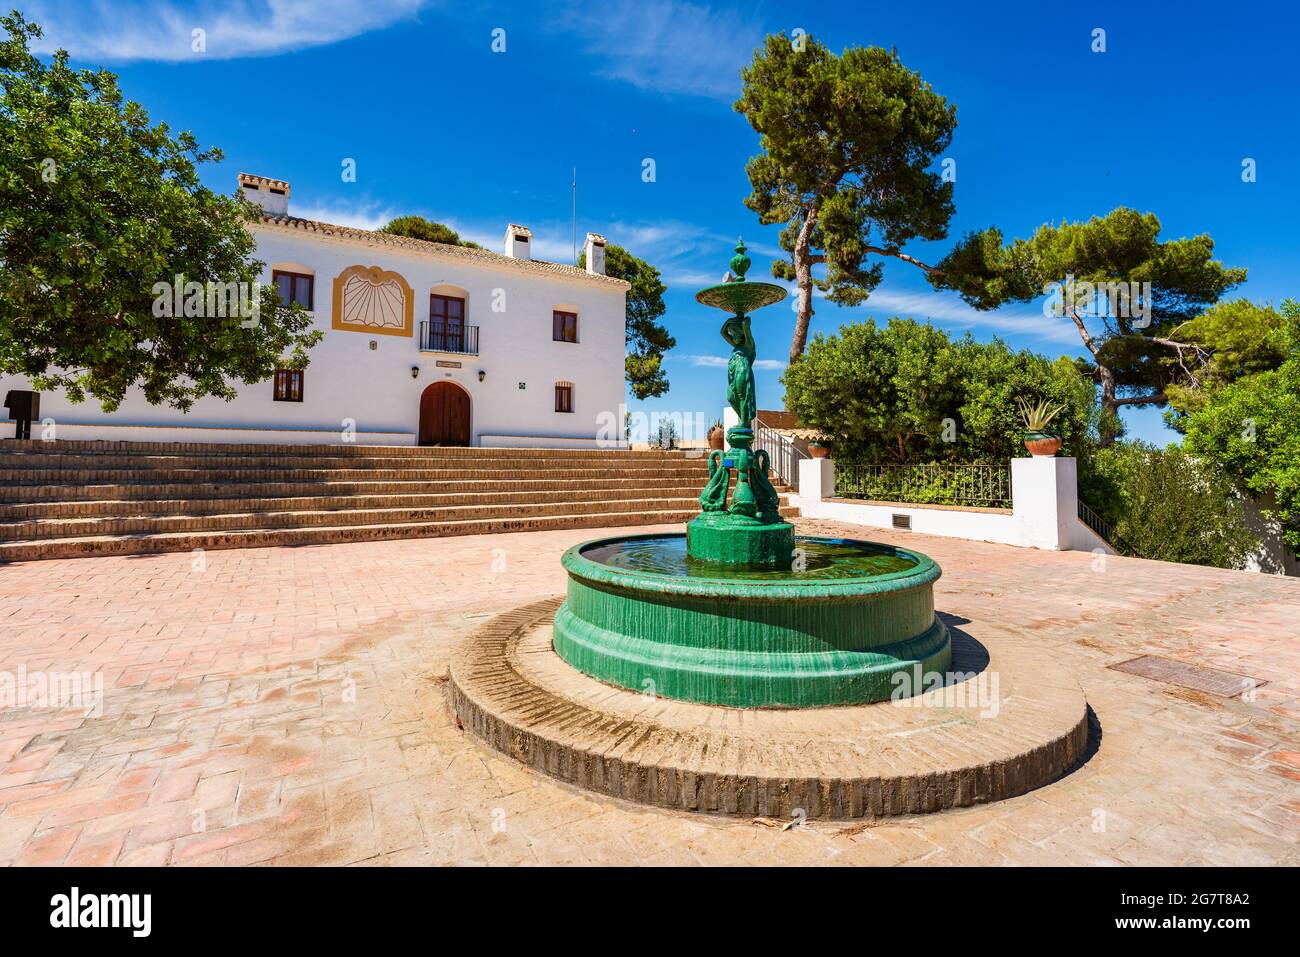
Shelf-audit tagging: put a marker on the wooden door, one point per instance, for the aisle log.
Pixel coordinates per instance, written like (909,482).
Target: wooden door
(444,415)
(447,322)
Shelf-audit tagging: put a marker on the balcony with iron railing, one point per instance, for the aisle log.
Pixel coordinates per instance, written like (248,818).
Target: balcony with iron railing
(453,338)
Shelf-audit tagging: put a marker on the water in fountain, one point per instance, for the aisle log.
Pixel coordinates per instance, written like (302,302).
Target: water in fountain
(815,559)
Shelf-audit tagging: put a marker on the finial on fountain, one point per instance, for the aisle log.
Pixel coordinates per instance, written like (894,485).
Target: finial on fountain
(739,262)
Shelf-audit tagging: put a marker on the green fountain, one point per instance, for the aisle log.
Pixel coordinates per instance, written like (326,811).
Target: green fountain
(740,611)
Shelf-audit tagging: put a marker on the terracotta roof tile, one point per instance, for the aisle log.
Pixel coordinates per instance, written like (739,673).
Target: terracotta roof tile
(440,250)
(256,180)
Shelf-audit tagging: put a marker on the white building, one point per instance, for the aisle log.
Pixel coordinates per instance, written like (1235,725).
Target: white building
(424,343)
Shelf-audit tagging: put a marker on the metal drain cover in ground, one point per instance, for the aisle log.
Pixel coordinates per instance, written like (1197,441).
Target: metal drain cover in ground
(1019,723)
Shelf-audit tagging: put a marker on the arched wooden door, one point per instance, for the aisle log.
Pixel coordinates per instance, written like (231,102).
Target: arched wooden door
(444,415)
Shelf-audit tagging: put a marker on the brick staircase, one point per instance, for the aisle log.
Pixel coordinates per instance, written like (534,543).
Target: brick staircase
(67,499)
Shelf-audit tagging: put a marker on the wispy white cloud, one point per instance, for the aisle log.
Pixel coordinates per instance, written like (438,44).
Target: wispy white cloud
(123,30)
(948,308)
(686,254)
(719,361)
(678,249)
(360,215)
(668,46)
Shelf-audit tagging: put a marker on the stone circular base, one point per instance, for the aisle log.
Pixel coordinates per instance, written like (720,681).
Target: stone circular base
(1016,722)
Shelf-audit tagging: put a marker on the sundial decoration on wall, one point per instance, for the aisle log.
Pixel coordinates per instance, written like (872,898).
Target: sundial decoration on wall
(374,300)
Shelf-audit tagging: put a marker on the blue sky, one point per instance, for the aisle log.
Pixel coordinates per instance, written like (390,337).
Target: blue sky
(440,125)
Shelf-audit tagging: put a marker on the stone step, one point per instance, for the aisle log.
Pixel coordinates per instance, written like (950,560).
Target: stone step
(91,447)
(19,494)
(491,459)
(134,544)
(14,477)
(46,528)
(210,506)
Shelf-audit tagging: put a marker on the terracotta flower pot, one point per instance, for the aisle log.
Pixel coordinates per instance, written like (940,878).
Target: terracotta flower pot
(1041,445)
(717,438)
(819,451)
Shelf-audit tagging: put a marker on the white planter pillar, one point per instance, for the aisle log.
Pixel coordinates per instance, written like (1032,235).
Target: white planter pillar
(1045,500)
(816,481)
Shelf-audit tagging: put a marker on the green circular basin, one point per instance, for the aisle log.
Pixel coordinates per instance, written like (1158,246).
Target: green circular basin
(843,626)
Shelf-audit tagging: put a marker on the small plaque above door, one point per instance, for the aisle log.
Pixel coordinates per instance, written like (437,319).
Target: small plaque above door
(444,364)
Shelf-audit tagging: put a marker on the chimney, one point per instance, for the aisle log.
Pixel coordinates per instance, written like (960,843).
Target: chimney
(518,241)
(271,194)
(594,249)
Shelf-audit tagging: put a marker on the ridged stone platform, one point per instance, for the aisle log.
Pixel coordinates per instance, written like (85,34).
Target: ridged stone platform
(946,748)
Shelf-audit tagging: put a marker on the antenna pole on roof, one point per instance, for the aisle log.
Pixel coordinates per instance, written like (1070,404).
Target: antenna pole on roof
(575,215)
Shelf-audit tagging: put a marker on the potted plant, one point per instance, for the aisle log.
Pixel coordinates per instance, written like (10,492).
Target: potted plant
(717,435)
(819,448)
(1040,442)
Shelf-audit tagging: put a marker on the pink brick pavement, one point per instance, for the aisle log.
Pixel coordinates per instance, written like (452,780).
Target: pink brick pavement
(286,706)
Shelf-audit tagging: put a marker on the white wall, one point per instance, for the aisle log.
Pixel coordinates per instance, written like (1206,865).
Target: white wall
(189,433)
(1044,512)
(1272,555)
(348,380)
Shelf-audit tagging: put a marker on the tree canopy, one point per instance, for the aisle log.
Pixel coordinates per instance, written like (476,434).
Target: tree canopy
(1247,422)
(1099,265)
(847,142)
(417,227)
(647,339)
(97,207)
(1167,505)
(906,393)
(1227,342)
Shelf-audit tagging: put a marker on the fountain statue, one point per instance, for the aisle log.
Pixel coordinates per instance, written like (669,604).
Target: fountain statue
(739,611)
(750,531)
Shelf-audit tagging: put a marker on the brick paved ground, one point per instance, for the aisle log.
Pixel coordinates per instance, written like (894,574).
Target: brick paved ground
(285,706)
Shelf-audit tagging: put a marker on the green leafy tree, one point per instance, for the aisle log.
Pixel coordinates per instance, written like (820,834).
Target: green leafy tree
(647,339)
(417,227)
(847,142)
(97,205)
(1227,342)
(1166,505)
(1134,353)
(1249,425)
(907,393)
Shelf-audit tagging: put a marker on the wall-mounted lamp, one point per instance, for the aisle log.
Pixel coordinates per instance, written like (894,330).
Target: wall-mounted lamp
(481,375)
(415,372)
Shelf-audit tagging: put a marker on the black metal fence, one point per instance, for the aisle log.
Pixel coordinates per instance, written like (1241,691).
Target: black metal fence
(448,337)
(974,486)
(1104,530)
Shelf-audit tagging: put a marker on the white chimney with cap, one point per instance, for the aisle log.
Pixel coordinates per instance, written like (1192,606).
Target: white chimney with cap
(594,250)
(271,194)
(519,239)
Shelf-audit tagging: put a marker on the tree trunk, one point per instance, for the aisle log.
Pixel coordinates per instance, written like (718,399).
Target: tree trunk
(803,286)
(1109,406)
(1109,402)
